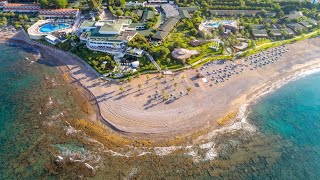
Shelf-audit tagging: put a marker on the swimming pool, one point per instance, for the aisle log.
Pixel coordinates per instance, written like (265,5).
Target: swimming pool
(47,28)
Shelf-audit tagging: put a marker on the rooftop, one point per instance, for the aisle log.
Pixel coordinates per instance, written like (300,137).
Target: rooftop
(147,15)
(86,24)
(189,9)
(138,12)
(288,31)
(260,33)
(294,15)
(95,35)
(170,10)
(53,11)
(184,14)
(160,35)
(276,32)
(235,12)
(305,24)
(133,25)
(258,26)
(116,27)
(296,27)
(169,24)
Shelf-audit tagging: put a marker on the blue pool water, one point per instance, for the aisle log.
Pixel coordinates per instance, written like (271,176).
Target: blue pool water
(47,28)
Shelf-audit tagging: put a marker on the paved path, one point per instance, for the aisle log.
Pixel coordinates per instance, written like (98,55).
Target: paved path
(153,61)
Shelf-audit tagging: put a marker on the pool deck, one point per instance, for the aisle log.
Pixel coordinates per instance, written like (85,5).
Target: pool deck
(34,32)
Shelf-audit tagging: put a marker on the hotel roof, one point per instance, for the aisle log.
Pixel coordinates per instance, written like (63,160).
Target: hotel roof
(95,35)
(168,25)
(58,12)
(189,9)
(296,27)
(260,33)
(20,6)
(111,27)
(288,31)
(160,35)
(276,32)
(235,12)
(138,12)
(305,24)
(86,24)
(295,15)
(148,14)
(184,14)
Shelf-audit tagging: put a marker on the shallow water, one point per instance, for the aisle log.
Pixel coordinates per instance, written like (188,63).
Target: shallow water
(41,134)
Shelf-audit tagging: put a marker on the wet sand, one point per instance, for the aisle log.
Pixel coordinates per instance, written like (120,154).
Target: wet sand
(134,112)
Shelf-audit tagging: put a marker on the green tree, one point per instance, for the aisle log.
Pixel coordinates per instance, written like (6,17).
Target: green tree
(44,3)
(121,89)
(60,3)
(119,12)
(188,89)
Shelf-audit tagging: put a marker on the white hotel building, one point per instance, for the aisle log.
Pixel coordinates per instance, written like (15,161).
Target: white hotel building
(109,35)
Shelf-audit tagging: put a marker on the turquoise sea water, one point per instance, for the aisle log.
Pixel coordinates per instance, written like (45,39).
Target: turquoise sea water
(293,114)
(34,105)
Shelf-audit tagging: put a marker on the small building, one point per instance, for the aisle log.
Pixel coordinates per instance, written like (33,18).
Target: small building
(2,3)
(160,35)
(276,32)
(157,1)
(87,26)
(21,8)
(62,36)
(288,31)
(134,52)
(52,39)
(165,29)
(296,27)
(184,14)
(294,15)
(169,10)
(136,26)
(305,24)
(312,21)
(235,12)
(147,15)
(190,9)
(169,24)
(138,12)
(275,29)
(136,3)
(259,31)
(59,13)
(135,64)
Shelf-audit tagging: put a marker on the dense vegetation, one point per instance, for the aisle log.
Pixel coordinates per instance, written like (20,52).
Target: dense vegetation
(18,20)
(53,3)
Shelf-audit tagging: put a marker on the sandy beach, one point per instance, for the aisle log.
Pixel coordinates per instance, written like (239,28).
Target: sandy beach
(136,112)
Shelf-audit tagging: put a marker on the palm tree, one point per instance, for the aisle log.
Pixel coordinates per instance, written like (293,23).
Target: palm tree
(188,89)
(121,89)
(175,85)
(139,86)
(147,76)
(183,77)
(129,79)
